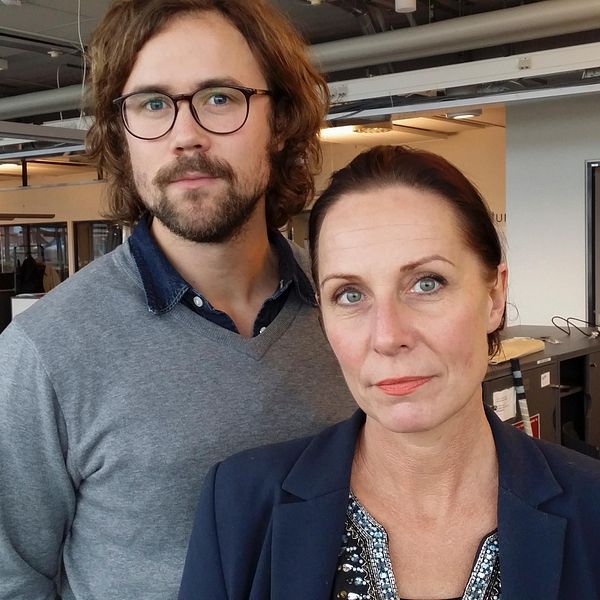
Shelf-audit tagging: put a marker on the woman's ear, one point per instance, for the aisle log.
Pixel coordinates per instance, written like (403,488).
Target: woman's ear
(498,298)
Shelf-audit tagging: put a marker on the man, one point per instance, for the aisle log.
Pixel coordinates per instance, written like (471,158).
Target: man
(197,337)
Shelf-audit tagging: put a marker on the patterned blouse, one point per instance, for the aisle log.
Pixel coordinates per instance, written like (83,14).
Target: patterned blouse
(364,570)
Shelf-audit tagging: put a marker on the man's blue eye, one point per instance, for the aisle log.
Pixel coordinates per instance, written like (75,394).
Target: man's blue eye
(219,99)
(156,104)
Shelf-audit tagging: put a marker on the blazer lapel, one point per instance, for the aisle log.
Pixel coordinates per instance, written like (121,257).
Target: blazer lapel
(308,524)
(531,540)
(531,549)
(306,541)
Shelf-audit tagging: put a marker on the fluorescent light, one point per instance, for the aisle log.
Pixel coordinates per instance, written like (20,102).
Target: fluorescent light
(464,114)
(8,166)
(333,133)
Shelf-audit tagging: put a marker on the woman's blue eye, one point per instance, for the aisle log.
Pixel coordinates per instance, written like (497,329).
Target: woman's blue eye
(350,297)
(426,285)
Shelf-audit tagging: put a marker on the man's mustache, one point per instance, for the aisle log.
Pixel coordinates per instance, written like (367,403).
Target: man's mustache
(198,163)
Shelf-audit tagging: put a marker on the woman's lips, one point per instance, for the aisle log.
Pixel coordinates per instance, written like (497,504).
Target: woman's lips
(401,386)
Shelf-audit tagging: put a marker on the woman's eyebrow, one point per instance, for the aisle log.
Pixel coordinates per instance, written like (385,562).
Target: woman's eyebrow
(404,269)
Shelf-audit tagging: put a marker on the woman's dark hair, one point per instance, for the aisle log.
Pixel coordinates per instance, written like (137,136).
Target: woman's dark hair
(385,166)
(300,96)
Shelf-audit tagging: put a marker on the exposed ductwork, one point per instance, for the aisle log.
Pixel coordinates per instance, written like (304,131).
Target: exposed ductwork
(41,103)
(510,25)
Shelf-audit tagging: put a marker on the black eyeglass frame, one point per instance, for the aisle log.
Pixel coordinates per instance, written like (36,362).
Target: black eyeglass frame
(248,92)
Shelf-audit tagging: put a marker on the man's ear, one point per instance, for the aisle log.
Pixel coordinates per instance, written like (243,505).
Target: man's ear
(498,298)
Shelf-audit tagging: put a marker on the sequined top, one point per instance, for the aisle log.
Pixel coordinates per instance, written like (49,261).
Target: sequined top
(364,570)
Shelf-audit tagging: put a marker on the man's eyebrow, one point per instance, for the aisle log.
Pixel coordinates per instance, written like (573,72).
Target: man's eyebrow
(404,269)
(207,83)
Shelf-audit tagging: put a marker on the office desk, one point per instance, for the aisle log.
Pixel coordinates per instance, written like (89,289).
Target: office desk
(562,385)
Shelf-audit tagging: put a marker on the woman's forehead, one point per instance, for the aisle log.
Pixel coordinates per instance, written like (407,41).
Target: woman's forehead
(387,214)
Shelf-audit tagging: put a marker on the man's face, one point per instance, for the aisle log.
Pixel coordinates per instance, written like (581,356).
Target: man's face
(202,186)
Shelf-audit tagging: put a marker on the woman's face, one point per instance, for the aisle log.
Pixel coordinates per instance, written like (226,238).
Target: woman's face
(406,306)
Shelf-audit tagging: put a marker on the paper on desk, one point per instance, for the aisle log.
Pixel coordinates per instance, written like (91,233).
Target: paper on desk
(504,403)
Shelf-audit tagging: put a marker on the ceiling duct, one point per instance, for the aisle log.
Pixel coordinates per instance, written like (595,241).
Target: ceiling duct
(510,25)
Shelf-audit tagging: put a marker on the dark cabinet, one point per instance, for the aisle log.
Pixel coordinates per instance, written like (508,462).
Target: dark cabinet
(541,390)
(562,387)
(592,422)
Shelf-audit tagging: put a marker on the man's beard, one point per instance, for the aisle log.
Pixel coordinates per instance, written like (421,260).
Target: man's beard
(186,216)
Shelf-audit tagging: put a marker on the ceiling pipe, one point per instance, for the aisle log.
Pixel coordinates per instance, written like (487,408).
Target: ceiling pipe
(41,103)
(509,25)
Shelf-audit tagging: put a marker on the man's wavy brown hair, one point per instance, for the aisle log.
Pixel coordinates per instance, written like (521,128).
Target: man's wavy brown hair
(300,96)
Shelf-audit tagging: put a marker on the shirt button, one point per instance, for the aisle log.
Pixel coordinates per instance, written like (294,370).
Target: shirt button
(198,301)
(261,329)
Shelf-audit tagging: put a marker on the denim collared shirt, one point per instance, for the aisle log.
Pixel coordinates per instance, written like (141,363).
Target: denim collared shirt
(165,287)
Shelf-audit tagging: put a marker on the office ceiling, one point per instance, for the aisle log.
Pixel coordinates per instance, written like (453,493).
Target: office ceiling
(42,41)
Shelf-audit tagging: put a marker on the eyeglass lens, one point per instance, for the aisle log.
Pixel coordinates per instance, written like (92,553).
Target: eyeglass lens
(219,109)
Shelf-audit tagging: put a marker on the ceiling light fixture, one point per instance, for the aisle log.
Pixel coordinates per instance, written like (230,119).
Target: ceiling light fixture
(9,165)
(3,64)
(464,114)
(11,2)
(406,6)
(371,129)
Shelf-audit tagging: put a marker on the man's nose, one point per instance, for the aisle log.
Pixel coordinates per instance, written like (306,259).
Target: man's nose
(187,134)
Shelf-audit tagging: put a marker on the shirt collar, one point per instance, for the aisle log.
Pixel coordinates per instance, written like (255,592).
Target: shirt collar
(289,269)
(164,287)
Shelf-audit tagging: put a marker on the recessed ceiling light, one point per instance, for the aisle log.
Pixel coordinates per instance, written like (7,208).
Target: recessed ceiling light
(464,114)
(371,129)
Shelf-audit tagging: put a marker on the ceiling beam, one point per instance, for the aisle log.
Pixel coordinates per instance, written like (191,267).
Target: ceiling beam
(43,133)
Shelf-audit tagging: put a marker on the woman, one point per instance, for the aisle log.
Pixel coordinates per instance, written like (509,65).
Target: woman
(424,493)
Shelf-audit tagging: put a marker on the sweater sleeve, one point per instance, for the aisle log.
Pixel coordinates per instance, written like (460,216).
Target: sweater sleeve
(37,497)
(203,572)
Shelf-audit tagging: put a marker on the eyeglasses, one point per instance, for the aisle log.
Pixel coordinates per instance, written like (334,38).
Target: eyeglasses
(222,110)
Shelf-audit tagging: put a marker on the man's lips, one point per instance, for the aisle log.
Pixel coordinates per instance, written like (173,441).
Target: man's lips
(401,386)
(193,180)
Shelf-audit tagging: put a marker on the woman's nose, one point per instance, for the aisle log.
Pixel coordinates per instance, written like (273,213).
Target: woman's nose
(393,328)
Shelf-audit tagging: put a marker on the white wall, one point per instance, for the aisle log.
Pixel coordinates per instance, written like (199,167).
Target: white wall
(547,143)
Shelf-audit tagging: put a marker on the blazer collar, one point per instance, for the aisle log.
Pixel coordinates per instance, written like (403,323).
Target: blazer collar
(531,539)
(325,464)
(308,528)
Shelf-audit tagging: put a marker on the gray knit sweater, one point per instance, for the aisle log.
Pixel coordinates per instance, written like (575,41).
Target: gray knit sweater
(110,416)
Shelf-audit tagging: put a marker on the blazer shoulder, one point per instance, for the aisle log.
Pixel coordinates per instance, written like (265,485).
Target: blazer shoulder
(572,469)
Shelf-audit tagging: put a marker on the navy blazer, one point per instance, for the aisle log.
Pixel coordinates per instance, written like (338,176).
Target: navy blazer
(270,520)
